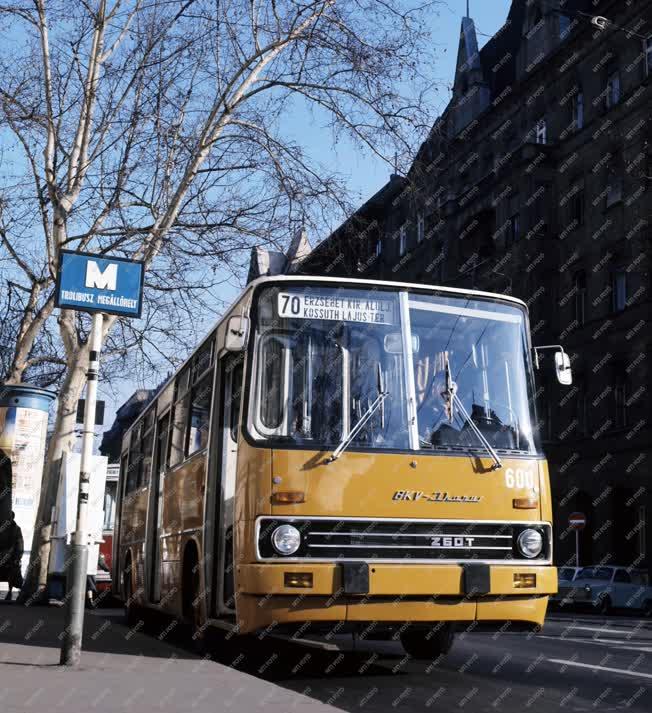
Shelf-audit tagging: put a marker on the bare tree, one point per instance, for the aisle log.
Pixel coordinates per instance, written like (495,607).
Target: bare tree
(169,132)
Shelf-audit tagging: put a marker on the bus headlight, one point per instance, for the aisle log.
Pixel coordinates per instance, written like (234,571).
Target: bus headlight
(530,543)
(286,539)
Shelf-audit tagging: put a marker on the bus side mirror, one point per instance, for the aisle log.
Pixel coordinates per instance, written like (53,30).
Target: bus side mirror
(563,369)
(562,363)
(237,329)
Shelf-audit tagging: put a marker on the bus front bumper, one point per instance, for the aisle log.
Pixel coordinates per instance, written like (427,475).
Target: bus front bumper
(396,593)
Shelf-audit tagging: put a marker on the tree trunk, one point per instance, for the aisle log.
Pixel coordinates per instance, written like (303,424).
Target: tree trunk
(63,441)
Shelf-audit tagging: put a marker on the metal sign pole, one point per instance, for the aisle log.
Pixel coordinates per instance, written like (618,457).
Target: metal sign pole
(577,548)
(77,567)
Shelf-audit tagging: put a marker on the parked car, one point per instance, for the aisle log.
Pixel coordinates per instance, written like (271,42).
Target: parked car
(606,587)
(567,574)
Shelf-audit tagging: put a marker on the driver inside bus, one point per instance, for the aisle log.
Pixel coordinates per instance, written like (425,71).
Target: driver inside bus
(365,363)
(433,410)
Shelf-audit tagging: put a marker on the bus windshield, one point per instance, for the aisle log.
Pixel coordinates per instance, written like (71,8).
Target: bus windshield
(322,356)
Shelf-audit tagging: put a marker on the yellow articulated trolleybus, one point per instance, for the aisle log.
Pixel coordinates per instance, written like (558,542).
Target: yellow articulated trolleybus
(345,454)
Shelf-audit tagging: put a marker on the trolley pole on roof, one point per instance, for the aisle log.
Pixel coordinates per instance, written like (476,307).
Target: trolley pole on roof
(100,285)
(78,558)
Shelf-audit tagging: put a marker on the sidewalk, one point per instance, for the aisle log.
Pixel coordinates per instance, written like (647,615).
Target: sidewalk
(121,671)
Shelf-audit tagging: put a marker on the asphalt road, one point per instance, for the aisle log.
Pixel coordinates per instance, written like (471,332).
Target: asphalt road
(577,663)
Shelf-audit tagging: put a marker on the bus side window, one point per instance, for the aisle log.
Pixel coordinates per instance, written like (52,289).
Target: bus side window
(235,394)
(271,401)
(163,437)
(124,474)
(148,447)
(200,409)
(135,460)
(177,451)
(178,439)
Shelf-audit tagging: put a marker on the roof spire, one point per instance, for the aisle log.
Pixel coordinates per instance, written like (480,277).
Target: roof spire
(468,14)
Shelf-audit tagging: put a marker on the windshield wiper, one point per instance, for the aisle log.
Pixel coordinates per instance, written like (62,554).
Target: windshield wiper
(451,398)
(346,441)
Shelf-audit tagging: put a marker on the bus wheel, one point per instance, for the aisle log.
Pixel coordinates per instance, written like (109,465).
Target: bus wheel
(192,597)
(428,644)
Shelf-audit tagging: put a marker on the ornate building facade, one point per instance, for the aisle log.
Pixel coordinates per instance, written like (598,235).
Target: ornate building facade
(536,181)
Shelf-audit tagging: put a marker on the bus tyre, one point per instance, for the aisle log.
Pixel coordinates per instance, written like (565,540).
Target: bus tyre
(428,643)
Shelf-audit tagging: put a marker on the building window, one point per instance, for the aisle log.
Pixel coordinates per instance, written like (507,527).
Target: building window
(619,291)
(580,297)
(541,132)
(620,400)
(648,56)
(379,247)
(535,21)
(537,205)
(514,228)
(614,189)
(402,240)
(582,410)
(577,108)
(576,204)
(613,89)
(420,228)
(564,26)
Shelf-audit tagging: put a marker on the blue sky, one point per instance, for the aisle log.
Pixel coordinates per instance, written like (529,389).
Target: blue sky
(364,172)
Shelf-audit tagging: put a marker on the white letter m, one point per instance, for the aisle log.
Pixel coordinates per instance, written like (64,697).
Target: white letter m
(106,280)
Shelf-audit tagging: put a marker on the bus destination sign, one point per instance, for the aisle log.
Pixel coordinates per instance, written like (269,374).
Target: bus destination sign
(338,308)
(97,283)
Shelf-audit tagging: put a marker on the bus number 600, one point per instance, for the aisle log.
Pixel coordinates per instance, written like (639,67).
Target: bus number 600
(520,478)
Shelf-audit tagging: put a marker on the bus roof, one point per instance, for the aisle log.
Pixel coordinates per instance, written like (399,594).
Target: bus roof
(389,283)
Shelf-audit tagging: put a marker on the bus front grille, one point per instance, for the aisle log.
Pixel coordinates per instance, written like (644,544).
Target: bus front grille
(396,540)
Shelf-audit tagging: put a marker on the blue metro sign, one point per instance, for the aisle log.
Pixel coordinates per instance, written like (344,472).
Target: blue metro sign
(96,283)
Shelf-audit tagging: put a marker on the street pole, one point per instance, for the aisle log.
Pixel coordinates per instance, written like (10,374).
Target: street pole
(77,564)
(577,548)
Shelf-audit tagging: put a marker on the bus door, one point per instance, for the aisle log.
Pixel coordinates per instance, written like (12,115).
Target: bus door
(230,374)
(156,507)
